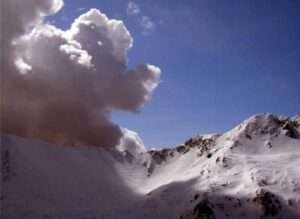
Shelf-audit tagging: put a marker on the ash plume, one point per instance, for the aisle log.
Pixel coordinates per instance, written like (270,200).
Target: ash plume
(62,85)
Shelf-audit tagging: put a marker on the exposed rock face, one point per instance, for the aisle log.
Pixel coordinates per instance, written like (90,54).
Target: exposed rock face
(268,124)
(203,145)
(203,211)
(270,204)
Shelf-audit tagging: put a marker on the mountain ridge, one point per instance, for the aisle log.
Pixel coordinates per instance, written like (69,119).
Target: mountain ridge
(250,171)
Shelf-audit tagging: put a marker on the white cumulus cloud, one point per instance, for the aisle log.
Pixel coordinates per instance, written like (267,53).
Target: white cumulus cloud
(62,85)
(131,142)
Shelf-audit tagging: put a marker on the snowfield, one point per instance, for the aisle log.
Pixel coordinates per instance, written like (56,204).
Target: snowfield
(251,171)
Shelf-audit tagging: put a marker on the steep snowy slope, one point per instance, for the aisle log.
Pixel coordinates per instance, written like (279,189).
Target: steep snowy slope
(251,171)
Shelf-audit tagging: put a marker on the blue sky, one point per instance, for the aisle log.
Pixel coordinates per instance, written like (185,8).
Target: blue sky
(221,61)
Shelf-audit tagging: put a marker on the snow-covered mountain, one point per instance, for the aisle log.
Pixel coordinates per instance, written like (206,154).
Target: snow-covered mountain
(251,171)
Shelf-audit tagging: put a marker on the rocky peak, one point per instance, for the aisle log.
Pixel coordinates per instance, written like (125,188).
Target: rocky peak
(268,124)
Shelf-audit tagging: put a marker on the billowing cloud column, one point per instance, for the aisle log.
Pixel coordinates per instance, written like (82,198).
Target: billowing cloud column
(61,86)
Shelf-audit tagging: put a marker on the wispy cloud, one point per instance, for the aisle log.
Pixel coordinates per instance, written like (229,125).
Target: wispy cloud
(146,22)
(133,8)
(81,9)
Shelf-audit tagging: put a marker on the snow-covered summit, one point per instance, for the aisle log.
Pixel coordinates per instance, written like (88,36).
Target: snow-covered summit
(251,171)
(266,124)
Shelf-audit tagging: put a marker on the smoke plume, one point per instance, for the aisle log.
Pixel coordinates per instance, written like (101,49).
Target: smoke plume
(62,85)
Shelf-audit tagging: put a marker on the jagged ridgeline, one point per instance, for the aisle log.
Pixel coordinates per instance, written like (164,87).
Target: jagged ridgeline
(251,171)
